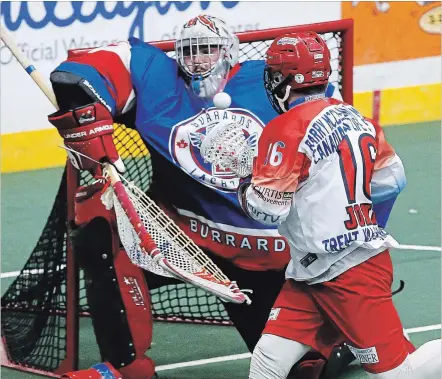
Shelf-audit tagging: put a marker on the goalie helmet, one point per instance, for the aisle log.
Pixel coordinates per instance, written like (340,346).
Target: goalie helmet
(205,51)
(294,61)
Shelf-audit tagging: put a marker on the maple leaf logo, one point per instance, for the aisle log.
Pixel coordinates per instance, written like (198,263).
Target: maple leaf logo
(182,144)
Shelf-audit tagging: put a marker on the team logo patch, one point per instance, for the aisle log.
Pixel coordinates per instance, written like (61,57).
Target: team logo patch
(274,313)
(365,356)
(187,136)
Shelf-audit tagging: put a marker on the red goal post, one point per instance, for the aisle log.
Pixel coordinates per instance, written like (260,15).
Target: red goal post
(41,308)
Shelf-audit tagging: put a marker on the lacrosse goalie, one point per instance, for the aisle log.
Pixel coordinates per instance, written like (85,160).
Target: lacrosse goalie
(320,167)
(170,103)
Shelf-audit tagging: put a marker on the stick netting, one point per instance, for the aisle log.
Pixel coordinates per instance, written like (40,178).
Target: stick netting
(172,242)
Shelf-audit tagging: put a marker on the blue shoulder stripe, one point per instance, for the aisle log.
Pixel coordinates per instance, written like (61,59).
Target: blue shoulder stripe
(329,90)
(96,81)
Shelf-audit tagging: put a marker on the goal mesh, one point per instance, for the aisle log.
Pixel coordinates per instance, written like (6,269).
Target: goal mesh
(41,307)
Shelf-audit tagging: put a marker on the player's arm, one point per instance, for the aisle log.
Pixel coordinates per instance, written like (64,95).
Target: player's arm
(388,177)
(268,196)
(93,87)
(101,75)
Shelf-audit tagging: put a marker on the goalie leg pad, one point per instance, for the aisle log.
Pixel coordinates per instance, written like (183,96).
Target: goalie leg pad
(88,205)
(136,299)
(117,295)
(138,369)
(98,371)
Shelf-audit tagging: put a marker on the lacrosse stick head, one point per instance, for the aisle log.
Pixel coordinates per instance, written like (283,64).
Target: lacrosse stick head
(226,145)
(155,243)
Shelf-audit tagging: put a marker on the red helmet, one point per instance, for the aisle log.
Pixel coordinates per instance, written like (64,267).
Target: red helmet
(295,60)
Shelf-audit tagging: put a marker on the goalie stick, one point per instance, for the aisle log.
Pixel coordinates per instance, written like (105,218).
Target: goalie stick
(143,228)
(186,261)
(27,65)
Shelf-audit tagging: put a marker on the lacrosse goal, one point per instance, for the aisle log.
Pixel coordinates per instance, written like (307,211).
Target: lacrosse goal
(41,308)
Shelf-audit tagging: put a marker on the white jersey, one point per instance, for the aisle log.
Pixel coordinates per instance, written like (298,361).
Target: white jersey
(317,167)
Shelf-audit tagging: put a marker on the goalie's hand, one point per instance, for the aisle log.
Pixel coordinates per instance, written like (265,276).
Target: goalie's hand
(88,130)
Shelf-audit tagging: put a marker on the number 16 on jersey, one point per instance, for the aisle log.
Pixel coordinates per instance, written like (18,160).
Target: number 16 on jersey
(355,155)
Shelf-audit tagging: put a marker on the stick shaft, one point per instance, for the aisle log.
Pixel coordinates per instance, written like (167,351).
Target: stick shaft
(26,64)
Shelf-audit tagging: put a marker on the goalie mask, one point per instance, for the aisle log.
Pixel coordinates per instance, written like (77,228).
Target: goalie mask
(295,61)
(205,51)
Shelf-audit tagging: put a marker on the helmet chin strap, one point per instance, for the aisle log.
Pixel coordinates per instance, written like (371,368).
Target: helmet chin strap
(283,89)
(281,101)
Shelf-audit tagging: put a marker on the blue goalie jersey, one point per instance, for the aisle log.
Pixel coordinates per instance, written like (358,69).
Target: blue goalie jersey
(133,76)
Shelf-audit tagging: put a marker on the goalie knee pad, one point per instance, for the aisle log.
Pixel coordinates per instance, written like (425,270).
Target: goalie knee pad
(117,292)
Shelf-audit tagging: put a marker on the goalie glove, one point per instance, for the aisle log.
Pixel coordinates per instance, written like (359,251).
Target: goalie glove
(87,132)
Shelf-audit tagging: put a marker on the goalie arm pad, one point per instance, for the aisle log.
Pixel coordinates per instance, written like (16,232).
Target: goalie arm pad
(101,74)
(88,131)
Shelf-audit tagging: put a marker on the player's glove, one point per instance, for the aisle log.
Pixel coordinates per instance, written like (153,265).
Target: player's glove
(227,146)
(88,130)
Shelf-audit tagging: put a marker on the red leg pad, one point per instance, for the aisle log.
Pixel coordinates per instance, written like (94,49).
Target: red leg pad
(132,286)
(136,299)
(88,205)
(99,371)
(141,368)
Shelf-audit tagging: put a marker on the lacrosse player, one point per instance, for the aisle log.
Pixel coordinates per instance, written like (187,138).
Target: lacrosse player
(326,165)
(169,102)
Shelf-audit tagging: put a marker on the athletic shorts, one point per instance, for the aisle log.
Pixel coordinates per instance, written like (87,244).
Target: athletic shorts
(356,307)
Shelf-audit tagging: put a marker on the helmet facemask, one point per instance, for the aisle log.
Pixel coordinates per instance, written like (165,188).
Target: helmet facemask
(206,54)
